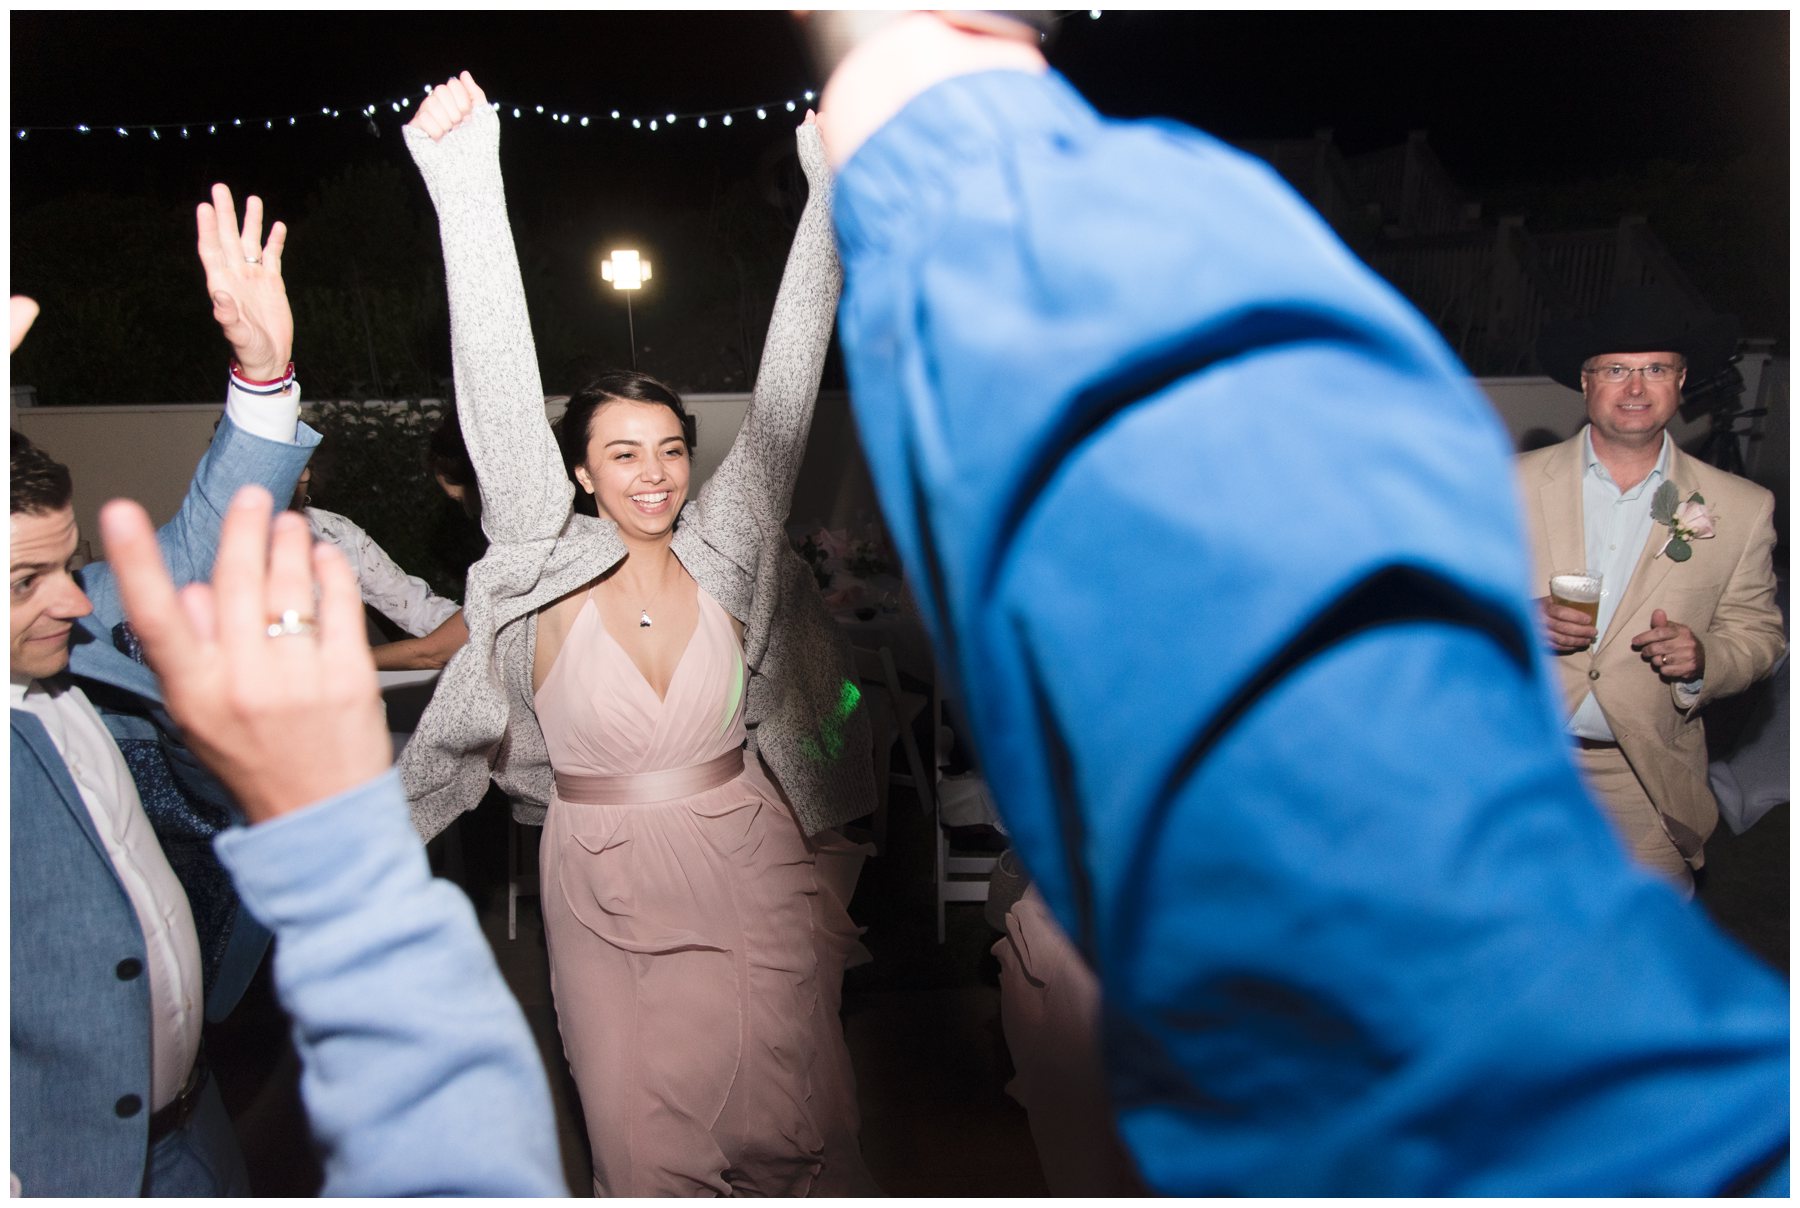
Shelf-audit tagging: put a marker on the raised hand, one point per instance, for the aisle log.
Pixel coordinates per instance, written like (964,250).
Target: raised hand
(243,279)
(448,106)
(24,311)
(284,709)
(812,152)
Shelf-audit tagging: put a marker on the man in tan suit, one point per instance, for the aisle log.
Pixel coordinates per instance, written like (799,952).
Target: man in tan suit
(1681,623)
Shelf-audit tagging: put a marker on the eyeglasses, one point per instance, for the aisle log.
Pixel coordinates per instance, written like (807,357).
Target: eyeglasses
(1615,374)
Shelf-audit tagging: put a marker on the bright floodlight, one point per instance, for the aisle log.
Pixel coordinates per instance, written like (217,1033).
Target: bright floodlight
(625,269)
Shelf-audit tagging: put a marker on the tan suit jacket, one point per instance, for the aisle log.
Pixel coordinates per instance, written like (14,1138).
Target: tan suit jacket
(1725,593)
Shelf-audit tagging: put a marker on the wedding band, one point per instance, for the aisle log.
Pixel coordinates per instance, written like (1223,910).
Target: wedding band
(252,259)
(291,623)
(1662,660)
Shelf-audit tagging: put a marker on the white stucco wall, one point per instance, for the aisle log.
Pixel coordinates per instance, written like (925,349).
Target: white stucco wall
(148,452)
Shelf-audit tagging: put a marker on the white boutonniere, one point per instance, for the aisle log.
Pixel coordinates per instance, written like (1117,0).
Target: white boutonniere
(1686,522)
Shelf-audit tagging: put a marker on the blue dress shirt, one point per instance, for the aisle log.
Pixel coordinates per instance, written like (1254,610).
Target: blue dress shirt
(1221,546)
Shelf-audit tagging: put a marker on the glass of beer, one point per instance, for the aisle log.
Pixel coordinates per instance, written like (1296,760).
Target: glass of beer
(1577,589)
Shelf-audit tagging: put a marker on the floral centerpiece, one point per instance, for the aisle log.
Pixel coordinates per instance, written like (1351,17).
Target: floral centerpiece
(855,566)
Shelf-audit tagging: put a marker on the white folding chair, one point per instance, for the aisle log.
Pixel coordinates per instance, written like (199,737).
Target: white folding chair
(520,882)
(948,867)
(892,711)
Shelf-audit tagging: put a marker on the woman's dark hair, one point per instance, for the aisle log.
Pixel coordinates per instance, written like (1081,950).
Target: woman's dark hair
(447,457)
(322,463)
(615,385)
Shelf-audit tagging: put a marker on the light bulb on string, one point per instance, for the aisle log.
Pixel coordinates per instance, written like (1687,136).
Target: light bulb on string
(727,119)
(702,123)
(790,106)
(155,135)
(809,95)
(515,112)
(615,114)
(636,125)
(761,114)
(122,133)
(584,122)
(652,123)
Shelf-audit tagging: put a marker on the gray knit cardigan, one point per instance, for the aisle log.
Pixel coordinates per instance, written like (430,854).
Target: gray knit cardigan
(801,707)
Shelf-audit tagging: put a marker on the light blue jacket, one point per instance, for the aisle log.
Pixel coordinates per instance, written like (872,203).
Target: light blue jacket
(1220,544)
(418,1073)
(79,991)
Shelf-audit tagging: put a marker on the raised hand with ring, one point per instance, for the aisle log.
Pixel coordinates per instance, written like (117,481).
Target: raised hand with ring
(243,279)
(291,624)
(283,724)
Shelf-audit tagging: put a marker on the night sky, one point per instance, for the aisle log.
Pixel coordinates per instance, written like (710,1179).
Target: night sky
(1506,96)
(1510,100)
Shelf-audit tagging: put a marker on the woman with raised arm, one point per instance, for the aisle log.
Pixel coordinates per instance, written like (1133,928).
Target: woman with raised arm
(660,675)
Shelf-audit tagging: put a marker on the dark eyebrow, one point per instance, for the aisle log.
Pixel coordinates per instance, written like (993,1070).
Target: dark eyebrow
(633,443)
(39,566)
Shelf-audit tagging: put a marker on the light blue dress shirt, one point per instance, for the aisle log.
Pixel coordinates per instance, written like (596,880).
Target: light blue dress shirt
(1615,524)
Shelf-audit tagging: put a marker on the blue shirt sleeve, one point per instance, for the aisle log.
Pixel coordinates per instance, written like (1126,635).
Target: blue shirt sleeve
(1220,546)
(420,1076)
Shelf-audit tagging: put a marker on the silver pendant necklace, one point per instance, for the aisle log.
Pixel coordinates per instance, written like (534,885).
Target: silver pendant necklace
(644,621)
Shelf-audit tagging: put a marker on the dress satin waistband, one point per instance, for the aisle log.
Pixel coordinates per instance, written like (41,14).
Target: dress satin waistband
(645,788)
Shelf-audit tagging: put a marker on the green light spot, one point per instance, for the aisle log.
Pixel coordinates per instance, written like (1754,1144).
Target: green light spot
(830,743)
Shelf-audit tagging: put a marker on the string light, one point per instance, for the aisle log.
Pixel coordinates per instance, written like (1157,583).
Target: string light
(653,122)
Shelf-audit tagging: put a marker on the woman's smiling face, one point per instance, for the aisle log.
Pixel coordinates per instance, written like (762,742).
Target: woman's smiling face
(637,466)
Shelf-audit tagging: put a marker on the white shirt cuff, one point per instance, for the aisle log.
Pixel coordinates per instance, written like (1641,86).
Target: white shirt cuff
(273,417)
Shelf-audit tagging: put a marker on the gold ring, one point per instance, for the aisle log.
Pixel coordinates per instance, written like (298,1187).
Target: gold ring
(290,624)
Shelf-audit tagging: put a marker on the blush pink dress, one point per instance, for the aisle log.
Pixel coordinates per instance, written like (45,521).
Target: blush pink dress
(696,939)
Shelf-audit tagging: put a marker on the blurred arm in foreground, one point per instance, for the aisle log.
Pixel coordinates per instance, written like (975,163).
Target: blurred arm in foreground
(414,1050)
(1123,393)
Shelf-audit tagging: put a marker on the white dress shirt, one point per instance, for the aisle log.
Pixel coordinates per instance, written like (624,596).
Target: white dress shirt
(404,599)
(272,416)
(99,772)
